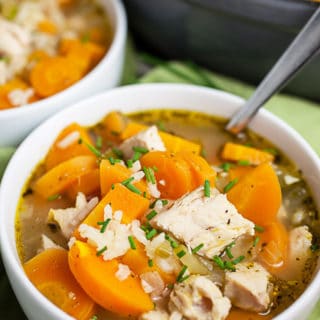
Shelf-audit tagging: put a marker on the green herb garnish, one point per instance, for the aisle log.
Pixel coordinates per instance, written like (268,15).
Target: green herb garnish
(207,188)
(181,277)
(243,163)
(151,234)
(152,214)
(181,253)
(258,228)
(150,263)
(103,224)
(132,243)
(117,152)
(230,185)
(226,166)
(54,197)
(238,260)
(101,251)
(140,149)
(256,241)
(197,248)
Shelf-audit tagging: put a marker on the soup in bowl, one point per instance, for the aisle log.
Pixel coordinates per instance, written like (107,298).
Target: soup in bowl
(146,208)
(54,53)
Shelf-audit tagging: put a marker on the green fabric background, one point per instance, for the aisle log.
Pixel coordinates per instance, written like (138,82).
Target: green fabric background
(301,114)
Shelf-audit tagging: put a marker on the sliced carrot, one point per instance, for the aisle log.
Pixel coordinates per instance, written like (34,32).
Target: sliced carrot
(131,204)
(76,48)
(172,173)
(49,272)
(238,314)
(54,74)
(111,174)
(88,184)
(257,195)
(62,150)
(199,167)
(59,178)
(237,152)
(138,262)
(114,124)
(5,89)
(98,278)
(172,143)
(238,172)
(47,26)
(274,247)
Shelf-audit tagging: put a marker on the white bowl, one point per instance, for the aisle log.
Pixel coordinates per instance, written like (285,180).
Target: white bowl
(127,99)
(16,123)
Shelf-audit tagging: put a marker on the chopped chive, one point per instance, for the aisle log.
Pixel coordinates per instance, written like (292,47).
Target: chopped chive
(226,166)
(103,225)
(181,253)
(238,260)
(230,185)
(314,247)
(173,243)
(112,186)
(272,151)
(132,188)
(144,194)
(112,160)
(99,142)
(92,148)
(129,163)
(203,153)
(228,252)
(197,248)
(243,163)
(152,214)
(140,149)
(150,263)
(258,228)
(95,317)
(207,188)
(101,251)
(181,273)
(154,168)
(115,133)
(136,156)
(164,202)
(132,243)
(117,152)
(54,197)
(151,234)
(85,38)
(255,241)
(229,265)
(219,262)
(127,181)
(146,228)
(170,286)
(161,126)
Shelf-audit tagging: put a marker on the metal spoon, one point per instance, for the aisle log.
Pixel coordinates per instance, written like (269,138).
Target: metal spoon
(300,51)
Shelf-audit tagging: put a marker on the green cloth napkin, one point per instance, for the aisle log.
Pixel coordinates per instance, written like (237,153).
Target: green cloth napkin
(301,114)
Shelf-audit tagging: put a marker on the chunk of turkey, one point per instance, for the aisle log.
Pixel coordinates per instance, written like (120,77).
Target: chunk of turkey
(68,219)
(198,298)
(149,139)
(196,220)
(248,287)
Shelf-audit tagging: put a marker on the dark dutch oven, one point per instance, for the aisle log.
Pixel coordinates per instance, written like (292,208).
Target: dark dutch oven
(240,38)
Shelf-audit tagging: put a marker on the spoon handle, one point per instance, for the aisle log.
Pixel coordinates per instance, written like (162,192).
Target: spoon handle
(300,51)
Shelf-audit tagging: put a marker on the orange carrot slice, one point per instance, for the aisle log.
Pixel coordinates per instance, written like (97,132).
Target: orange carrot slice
(174,173)
(49,272)
(59,178)
(257,195)
(274,247)
(111,174)
(98,278)
(237,152)
(67,146)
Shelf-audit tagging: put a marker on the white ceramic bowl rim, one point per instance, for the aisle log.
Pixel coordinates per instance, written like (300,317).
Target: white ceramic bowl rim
(179,92)
(119,34)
